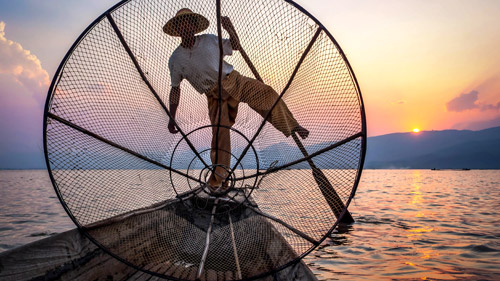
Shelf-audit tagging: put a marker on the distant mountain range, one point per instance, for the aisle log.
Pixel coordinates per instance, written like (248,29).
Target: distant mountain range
(448,149)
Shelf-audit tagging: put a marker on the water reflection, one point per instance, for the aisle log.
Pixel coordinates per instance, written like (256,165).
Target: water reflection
(416,193)
(416,224)
(426,225)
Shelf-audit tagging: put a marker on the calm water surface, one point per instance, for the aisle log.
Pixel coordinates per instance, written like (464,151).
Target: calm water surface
(417,224)
(410,225)
(29,208)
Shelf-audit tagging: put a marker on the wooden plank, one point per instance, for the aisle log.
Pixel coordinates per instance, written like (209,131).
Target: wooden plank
(65,256)
(154,207)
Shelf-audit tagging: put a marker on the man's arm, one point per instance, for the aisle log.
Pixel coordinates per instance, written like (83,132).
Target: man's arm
(175,95)
(235,44)
(233,37)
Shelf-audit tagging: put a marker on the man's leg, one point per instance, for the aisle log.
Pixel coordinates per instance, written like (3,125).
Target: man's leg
(261,97)
(229,110)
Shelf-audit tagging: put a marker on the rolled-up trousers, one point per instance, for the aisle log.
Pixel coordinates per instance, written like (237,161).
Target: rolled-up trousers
(260,97)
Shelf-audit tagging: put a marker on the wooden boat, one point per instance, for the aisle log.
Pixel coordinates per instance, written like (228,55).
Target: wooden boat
(243,236)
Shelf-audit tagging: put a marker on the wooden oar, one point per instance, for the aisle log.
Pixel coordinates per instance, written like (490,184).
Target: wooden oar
(331,196)
(325,186)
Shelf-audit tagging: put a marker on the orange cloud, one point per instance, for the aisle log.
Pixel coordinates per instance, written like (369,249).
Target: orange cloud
(398,102)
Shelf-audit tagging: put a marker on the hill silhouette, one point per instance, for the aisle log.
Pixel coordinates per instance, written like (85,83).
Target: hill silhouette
(448,149)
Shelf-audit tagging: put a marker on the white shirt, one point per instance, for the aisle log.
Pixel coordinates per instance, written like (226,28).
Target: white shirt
(200,64)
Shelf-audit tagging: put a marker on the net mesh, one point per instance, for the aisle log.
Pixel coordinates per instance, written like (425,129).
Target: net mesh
(141,192)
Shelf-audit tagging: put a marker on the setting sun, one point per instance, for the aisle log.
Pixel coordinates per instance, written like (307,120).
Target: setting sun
(416,130)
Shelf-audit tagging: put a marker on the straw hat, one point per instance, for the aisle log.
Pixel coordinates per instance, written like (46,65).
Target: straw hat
(171,27)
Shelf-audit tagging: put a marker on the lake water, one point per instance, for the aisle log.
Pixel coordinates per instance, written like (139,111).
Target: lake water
(410,224)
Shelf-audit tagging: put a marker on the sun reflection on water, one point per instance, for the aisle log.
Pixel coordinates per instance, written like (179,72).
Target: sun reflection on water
(418,225)
(410,225)
(416,193)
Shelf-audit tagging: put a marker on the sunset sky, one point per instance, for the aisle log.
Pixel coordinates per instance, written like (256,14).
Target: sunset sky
(431,65)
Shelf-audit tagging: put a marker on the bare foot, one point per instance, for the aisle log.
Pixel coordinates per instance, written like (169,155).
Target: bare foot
(303,132)
(216,185)
(213,183)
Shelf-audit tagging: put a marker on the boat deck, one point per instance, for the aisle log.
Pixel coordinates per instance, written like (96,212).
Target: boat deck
(171,241)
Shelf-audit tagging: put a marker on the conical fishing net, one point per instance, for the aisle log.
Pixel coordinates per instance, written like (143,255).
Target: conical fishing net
(141,190)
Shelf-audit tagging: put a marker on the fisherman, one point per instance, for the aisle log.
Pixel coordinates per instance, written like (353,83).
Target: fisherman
(197,61)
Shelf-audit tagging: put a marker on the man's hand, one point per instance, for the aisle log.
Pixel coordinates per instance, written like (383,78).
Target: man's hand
(175,95)
(227,25)
(171,127)
(233,37)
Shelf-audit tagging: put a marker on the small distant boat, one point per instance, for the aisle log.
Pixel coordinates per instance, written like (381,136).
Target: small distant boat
(463,169)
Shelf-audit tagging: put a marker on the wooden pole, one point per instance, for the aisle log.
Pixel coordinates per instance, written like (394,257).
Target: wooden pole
(331,196)
(235,250)
(207,241)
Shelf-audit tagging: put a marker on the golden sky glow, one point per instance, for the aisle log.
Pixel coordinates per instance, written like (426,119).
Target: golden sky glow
(412,58)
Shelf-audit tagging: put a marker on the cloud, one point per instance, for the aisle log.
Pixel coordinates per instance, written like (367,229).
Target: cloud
(469,101)
(463,102)
(24,84)
(485,107)
(398,102)
(23,68)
